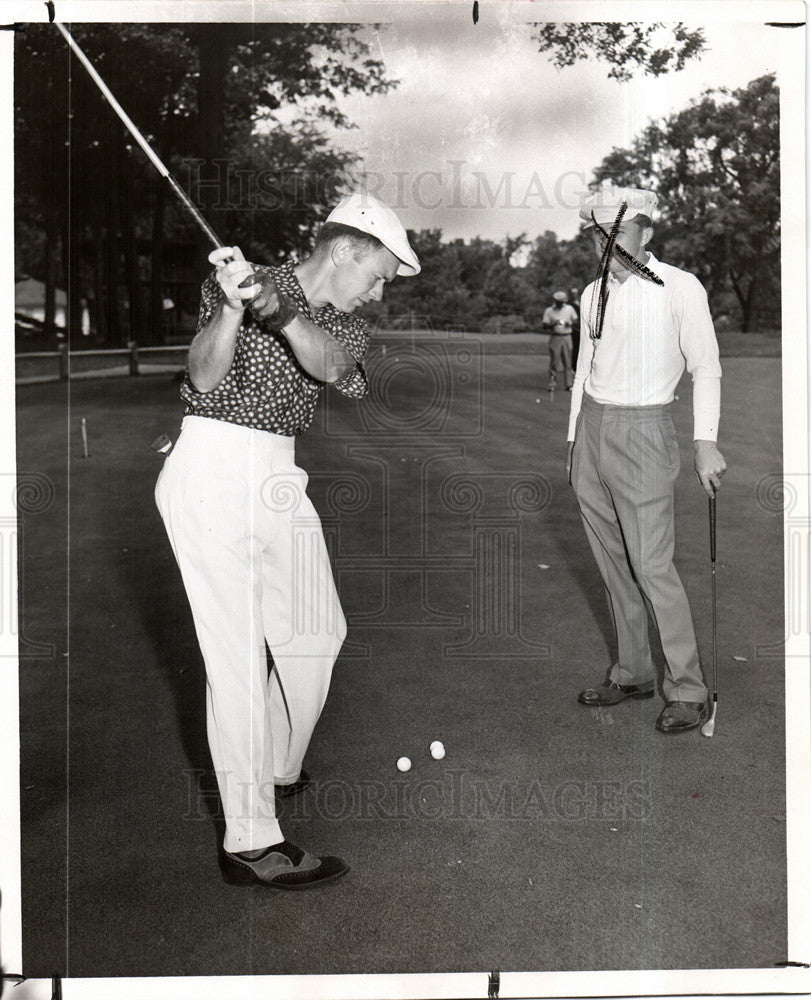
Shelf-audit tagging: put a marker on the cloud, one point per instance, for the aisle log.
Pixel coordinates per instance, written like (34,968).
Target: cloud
(483,136)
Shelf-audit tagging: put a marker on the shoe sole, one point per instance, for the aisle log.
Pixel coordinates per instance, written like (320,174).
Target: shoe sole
(674,731)
(641,696)
(293,886)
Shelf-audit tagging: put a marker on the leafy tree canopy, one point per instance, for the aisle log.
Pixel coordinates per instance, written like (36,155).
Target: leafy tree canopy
(716,168)
(628,48)
(208,98)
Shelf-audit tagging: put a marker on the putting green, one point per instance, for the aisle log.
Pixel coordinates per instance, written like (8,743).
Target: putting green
(558,837)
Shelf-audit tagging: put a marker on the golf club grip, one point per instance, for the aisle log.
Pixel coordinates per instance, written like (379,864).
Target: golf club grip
(712,527)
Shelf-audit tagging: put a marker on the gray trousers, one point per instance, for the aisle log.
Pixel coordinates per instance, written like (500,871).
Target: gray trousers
(624,467)
(560,358)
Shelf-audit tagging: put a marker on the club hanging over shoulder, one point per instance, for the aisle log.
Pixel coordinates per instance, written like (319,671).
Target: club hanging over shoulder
(624,456)
(612,207)
(627,259)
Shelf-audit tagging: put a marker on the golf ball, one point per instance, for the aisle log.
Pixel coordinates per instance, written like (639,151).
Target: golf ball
(437,750)
(404,764)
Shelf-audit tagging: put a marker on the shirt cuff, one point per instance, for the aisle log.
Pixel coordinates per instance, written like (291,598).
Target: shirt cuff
(574,410)
(354,384)
(706,408)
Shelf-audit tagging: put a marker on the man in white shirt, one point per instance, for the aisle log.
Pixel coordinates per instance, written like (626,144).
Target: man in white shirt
(560,319)
(641,322)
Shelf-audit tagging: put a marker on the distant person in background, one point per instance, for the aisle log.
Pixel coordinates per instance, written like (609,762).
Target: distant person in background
(560,319)
(574,302)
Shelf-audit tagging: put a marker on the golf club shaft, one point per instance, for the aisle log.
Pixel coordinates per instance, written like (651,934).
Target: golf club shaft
(714,607)
(159,165)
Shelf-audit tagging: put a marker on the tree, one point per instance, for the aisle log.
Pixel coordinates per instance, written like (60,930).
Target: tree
(556,265)
(198,93)
(476,285)
(446,293)
(653,49)
(251,72)
(236,111)
(716,168)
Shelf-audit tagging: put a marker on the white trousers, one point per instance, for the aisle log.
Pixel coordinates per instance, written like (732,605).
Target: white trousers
(251,552)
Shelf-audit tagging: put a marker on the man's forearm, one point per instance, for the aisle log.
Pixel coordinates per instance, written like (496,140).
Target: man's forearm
(706,406)
(212,351)
(317,351)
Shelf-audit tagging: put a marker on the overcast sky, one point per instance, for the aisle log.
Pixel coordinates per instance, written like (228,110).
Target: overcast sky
(476,104)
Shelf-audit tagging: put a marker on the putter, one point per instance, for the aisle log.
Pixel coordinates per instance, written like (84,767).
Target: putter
(708,729)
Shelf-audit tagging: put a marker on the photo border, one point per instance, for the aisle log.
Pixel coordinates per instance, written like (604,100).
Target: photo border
(795,374)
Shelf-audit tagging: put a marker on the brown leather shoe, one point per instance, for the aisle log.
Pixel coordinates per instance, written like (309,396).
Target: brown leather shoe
(609,693)
(679,716)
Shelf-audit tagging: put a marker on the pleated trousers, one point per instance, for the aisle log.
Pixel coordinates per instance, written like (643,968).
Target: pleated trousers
(624,467)
(255,567)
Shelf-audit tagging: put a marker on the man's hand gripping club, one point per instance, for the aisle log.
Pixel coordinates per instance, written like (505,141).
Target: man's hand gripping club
(245,290)
(317,351)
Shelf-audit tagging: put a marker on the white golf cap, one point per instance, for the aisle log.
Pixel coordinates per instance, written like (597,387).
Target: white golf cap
(607,202)
(363,212)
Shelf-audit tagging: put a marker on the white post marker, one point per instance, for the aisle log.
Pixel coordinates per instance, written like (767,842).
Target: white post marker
(403,764)
(437,749)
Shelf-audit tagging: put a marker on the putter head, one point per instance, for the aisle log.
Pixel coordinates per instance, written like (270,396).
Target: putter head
(708,729)
(162,444)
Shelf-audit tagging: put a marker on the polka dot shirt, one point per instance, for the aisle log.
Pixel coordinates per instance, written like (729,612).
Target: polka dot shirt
(266,388)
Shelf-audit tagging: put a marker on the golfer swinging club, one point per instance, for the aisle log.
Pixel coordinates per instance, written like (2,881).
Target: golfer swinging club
(642,321)
(246,536)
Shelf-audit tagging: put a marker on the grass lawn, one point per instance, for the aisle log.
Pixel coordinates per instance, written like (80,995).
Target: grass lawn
(551,837)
